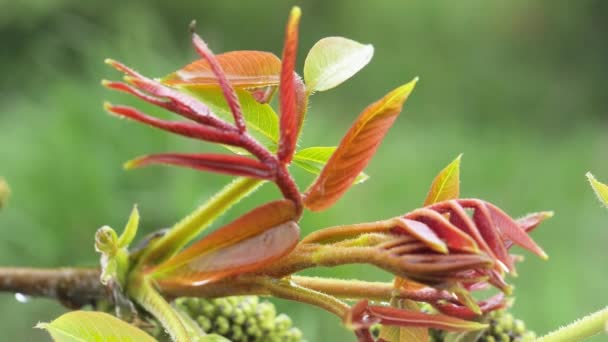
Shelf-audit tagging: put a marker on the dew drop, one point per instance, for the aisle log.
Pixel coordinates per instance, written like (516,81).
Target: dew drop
(21,298)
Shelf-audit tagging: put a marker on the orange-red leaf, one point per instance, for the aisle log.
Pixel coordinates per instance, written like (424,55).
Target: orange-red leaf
(257,238)
(446,185)
(287,90)
(356,149)
(244,69)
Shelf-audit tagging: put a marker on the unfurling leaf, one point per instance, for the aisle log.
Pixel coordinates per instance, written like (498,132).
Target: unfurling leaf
(356,149)
(255,239)
(290,120)
(446,185)
(220,163)
(601,189)
(93,326)
(333,60)
(363,315)
(244,69)
(313,159)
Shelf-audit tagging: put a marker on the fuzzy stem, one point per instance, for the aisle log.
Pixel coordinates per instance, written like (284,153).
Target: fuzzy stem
(581,329)
(378,291)
(146,295)
(192,225)
(73,287)
(288,290)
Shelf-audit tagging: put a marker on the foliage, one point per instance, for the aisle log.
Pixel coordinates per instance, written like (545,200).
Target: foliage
(249,168)
(465,252)
(92,327)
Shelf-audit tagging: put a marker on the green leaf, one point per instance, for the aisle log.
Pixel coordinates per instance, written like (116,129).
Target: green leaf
(446,185)
(601,189)
(262,121)
(313,159)
(333,60)
(93,326)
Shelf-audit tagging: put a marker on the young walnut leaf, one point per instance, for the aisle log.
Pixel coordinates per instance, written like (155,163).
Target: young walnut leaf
(313,159)
(446,185)
(92,326)
(257,238)
(356,149)
(333,60)
(244,69)
(601,189)
(226,164)
(290,116)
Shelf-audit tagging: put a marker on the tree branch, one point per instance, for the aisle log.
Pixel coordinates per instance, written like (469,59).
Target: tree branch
(73,287)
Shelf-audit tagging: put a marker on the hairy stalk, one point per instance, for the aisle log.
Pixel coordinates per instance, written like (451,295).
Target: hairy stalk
(288,290)
(73,287)
(146,295)
(583,328)
(377,291)
(192,225)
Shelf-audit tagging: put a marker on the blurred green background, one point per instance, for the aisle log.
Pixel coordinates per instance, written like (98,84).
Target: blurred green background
(519,87)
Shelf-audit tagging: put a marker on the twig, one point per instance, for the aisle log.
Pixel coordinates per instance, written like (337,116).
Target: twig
(73,287)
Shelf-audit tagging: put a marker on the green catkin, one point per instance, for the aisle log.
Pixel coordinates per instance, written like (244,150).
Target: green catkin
(244,319)
(503,328)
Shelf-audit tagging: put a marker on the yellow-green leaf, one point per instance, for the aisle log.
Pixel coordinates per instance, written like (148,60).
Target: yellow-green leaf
(93,326)
(333,60)
(4,192)
(313,159)
(601,189)
(446,185)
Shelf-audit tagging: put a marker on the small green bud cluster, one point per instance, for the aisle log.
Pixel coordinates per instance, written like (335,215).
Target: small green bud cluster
(503,328)
(240,319)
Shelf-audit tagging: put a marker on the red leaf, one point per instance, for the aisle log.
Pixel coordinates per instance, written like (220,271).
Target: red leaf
(495,302)
(511,230)
(356,149)
(227,89)
(255,239)
(364,315)
(175,101)
(182,128)
(453,237)
(287,94)
(220,163)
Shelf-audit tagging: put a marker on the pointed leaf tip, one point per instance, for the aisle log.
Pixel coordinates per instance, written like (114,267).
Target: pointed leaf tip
(446,185)
(600,189)
(290,118)
(356,149)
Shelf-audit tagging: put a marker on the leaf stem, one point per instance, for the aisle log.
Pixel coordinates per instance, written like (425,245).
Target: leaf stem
(192,225)
(581,329)
(142,291)
(289,290)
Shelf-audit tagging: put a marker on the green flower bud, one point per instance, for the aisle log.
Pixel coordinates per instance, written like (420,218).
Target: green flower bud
(240,319)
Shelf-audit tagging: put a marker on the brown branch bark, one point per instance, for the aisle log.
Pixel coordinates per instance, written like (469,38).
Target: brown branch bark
(73,287)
